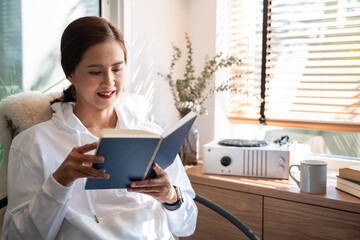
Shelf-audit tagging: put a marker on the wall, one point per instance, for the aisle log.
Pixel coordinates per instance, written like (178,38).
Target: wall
(202,29)
(150,28)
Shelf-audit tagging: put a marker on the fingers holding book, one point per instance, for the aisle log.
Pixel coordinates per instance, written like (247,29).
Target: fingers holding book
(159,187)
(79,165)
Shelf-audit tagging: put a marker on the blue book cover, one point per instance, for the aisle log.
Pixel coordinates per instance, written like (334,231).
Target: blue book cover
(129,154)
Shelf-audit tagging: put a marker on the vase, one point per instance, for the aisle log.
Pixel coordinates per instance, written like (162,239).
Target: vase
(189,151)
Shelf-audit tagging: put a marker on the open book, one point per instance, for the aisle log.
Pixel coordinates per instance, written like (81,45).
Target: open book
(130,154)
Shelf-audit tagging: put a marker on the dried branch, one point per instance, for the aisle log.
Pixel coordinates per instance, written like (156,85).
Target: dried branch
(191,92)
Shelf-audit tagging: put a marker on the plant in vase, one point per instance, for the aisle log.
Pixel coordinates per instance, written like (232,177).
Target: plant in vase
(191,92)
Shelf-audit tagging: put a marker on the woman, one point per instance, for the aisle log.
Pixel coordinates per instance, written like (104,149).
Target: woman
(49,163)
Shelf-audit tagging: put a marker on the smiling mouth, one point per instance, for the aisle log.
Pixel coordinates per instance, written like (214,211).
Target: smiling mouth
(106,94)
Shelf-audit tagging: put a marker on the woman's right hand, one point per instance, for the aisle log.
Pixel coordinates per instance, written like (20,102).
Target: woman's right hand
(79,165)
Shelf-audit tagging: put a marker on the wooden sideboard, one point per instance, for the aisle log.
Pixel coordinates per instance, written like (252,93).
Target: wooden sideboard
(274,209)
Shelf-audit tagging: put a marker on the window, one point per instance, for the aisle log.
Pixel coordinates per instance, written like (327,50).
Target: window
(10,44)
(30,33)
(307,74)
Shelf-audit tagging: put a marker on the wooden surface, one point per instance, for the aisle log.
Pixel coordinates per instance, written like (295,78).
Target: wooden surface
(247,207)
(289,220)
(282,189)
(274,209)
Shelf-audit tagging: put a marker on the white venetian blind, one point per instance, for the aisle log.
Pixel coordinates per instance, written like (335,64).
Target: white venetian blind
(313,65)
(246,19)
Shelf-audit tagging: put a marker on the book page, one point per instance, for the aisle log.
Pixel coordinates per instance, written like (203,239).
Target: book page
(356,168)
(178,124)
(170,145)
(115,133)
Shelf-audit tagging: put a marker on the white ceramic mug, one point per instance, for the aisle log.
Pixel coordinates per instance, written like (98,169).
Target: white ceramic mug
(313,176)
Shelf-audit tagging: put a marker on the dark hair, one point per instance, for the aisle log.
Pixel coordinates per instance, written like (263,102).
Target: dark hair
(78,36)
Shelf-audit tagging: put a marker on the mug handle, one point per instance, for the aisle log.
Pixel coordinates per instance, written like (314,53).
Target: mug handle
(297,181)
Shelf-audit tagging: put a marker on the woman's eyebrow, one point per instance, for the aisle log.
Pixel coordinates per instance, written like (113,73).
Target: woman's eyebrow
(94,65)
(99,65)
(117,63)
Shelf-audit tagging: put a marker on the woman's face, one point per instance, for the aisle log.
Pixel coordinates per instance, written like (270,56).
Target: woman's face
(99,77)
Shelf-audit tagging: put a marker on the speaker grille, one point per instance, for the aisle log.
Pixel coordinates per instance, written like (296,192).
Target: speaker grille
(255,163)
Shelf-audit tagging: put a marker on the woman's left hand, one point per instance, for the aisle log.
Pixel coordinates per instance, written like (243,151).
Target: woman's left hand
(159,187)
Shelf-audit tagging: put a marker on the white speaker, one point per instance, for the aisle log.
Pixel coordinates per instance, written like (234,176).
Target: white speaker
(271,161)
